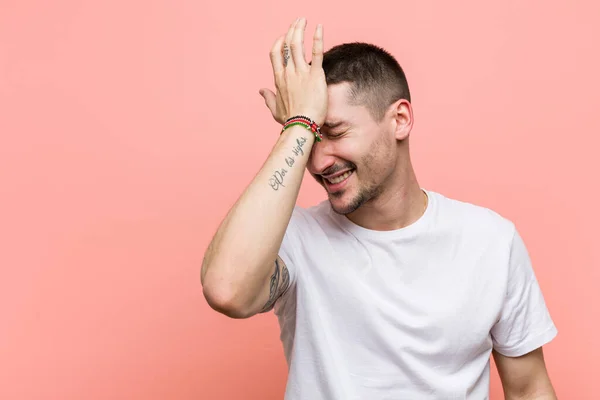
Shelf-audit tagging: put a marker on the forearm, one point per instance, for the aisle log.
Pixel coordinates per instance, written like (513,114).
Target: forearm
(244,251)
(241,254)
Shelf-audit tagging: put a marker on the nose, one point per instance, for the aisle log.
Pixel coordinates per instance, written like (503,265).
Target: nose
(321,157)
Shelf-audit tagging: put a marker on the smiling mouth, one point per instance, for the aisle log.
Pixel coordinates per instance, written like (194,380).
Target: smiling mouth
(339,179)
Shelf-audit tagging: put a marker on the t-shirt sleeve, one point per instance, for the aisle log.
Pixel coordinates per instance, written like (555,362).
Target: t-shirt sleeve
(525,322)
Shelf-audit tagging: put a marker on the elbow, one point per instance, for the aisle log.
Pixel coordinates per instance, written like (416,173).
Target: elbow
(226,300)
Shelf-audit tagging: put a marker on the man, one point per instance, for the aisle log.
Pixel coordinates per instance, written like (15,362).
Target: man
(386,290)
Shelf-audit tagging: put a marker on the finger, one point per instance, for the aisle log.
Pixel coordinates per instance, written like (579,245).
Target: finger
(286,46)
(297,44)
(270,100)
(276,56)
(317,57)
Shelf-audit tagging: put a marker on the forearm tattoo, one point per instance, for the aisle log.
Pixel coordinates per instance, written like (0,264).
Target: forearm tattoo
(277,179)
(278,284)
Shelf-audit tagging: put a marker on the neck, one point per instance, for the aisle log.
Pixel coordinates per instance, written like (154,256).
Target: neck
(401,203)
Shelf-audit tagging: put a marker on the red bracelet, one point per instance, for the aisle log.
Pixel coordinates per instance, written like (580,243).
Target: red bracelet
(307,123)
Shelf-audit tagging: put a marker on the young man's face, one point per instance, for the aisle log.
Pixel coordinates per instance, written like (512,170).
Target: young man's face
(357,154)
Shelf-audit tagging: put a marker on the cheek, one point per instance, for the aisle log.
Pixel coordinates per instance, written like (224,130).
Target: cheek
(379,156)
(371,157)
(349,150)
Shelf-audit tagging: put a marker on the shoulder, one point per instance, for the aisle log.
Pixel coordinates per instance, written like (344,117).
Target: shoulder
(311,215)
(473,219)
(311,222)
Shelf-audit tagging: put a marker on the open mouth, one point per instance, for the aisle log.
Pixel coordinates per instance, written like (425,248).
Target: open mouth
(341,178)
(338,181)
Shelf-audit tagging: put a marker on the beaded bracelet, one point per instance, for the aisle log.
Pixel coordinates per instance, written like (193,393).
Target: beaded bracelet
(307,123)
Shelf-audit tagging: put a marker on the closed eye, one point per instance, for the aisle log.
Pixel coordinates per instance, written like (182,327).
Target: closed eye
(335,135)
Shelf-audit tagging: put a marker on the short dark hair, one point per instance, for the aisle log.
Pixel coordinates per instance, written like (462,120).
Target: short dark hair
(376,78)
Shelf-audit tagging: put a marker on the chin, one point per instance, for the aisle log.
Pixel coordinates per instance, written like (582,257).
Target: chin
(343,209)
(344,204)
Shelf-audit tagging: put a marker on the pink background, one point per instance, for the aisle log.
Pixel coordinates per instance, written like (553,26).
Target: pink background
(128,128)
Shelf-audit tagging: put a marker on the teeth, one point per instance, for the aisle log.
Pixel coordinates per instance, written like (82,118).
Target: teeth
(340,178)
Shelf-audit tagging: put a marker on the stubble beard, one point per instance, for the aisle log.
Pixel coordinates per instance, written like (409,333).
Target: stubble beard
(364,195)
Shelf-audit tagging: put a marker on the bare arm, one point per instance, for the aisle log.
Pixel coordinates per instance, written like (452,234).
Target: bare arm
(241,262)
(525,377)
(241,272)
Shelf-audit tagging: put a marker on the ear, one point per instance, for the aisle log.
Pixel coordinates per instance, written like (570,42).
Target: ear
(402,115)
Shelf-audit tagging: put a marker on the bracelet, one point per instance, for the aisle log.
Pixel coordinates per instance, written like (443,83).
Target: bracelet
(306,122)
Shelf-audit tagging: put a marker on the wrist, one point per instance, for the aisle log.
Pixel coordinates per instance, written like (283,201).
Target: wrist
(296,132)
(313,116)
(305,122)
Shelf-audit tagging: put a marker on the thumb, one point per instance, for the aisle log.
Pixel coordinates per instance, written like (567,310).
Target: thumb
(270,100)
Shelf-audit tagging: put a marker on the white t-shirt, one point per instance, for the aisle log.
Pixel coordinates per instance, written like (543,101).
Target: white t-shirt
(406,314)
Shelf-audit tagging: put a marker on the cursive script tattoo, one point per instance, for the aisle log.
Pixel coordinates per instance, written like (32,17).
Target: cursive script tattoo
(297,150)
(276,180)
